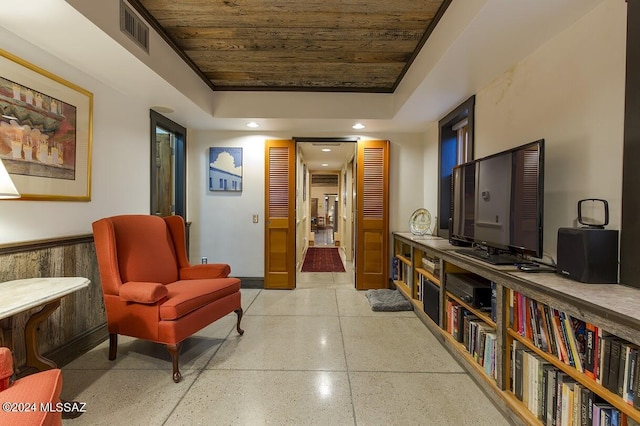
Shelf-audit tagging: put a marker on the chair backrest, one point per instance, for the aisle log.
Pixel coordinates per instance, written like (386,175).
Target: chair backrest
(141,247)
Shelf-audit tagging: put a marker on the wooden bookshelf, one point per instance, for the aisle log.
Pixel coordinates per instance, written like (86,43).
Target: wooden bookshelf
(613,308)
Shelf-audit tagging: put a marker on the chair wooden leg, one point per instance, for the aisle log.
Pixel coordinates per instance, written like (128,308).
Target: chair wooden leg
(239,313)
(174,350)
(113,346)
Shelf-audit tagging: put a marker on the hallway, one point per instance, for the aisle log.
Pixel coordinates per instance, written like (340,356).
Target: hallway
(316,355)
(323,238)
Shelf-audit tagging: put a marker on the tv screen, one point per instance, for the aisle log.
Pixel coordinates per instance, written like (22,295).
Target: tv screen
(497,201)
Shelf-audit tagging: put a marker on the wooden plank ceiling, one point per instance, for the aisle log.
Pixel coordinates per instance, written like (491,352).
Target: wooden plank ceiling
(308,45)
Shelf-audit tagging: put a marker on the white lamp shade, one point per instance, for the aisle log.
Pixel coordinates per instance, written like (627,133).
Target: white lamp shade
(7,188)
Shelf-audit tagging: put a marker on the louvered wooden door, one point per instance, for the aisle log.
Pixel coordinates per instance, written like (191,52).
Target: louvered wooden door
(372,219)
(280,243)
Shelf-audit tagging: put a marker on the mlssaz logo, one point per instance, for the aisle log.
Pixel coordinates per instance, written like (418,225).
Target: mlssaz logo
(63,407)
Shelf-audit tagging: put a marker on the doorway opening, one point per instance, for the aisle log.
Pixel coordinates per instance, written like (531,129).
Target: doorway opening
(324,202)
(168,167)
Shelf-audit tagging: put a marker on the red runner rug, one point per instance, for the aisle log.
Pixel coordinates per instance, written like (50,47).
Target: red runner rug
(322,259)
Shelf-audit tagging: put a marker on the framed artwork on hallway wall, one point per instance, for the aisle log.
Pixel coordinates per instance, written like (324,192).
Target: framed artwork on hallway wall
(45,132)
(225,169)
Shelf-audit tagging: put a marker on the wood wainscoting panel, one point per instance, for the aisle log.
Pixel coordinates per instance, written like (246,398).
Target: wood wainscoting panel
(79,314)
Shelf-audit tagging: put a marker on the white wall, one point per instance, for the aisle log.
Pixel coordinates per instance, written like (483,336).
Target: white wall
(571,93)
(430,171)
(120,166)
(221,223)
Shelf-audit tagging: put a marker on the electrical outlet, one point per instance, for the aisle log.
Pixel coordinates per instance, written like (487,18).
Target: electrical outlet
(255,218)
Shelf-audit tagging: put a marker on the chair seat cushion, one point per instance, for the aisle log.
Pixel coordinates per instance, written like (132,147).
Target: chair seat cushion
(40,387)
(186,296)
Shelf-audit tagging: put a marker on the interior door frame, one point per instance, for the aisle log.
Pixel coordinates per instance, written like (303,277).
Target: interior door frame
(180,163)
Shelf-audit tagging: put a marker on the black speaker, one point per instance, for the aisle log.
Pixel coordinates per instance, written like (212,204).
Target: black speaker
(588,255)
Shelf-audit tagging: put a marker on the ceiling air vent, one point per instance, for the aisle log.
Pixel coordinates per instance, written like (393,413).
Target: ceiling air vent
(134,27)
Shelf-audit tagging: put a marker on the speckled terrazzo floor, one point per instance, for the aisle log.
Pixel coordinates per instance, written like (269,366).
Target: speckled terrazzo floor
(316,355)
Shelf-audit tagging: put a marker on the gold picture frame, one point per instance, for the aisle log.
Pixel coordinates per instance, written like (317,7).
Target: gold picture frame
(45,132)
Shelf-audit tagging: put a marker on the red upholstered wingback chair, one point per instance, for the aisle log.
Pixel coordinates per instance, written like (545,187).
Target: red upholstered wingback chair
(151,291)
(28,393)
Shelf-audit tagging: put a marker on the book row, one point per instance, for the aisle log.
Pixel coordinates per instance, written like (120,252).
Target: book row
(556,398)
(478,337)
(551,330)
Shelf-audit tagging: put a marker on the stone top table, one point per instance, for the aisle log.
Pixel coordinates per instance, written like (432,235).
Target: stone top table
(21,295)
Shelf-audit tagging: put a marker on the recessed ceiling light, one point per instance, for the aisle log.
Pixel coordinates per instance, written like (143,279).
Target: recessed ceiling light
(253,124)
(326,149)
(358,126)
(325,165)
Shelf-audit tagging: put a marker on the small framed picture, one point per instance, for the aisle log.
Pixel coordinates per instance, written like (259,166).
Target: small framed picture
(225,169)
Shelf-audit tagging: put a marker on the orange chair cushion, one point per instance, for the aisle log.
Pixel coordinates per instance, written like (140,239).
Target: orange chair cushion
(187,296)
(208,270)
(6,367)
(142,292)
(145,249)
(39,387)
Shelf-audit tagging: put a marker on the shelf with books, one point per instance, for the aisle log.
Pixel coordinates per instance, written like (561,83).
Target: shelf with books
(474,330)
(472,361)
(612,308)
(603,367)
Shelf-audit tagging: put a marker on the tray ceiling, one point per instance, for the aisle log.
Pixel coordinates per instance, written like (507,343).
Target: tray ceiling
(311,45)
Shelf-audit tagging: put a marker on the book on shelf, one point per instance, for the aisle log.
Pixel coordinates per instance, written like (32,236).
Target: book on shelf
(551,397)
(543,390)
(630,376)
(516,367)
(623,369)
(395,269)
(579,329)
(592,351)
(551,336)
(545,338)
(494,302)
(614,366)
(455,325)
(572,348)
(602,413)
(490,355)
(562,351)
(605,357)
(565,399)
(586,406)
(512,308)
(466,326)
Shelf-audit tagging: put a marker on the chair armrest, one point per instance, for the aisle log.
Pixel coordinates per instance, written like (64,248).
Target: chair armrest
(142,292)
(206,271)
(6,368)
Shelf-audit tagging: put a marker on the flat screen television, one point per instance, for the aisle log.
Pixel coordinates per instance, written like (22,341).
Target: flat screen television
(497,204)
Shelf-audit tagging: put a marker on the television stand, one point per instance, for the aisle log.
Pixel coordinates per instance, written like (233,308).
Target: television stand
(493,258)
